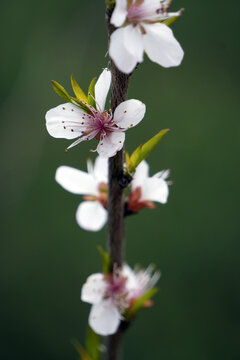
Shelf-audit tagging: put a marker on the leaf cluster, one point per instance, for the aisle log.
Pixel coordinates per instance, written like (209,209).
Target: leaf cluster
(81,99)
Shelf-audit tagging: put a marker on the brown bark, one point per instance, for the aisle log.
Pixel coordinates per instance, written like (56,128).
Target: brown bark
(116,184)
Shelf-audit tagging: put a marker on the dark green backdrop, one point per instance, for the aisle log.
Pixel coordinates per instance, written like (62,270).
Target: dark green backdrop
(46,257)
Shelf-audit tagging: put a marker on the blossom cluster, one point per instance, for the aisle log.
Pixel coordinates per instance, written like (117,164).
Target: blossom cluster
(111,294)
(70,121)
(140,26)
(92,213)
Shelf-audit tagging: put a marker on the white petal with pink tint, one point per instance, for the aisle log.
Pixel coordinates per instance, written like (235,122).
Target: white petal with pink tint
(100,170)
(122,53)
(76,181)
(141,174)
(69,121)
(102,87)
(94,289)
(161,45)
(155,189)
(129,113)
(91,215)
(164,174)
(133,41)
(131,282)
(111,144)
(64,121)
(119,13)
(153,4)
(143,31)
(104,318)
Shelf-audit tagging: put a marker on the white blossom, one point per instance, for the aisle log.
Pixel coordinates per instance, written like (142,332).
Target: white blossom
(69,121)
(141,28)
(111,294)
(147,189)
(91,214)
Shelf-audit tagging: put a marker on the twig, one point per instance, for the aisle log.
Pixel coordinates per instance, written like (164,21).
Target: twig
(116,184)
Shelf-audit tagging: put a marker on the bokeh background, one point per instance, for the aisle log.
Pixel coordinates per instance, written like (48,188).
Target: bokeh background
(46,257)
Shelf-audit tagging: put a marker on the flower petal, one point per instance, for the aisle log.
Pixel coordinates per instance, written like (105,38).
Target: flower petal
(119,13)
(87,137)
(129,113)
(150,6)
(126,48)
(100,170)
(104,318)
(161,45)
(101,89)
(141,175)
(65,121)
(155,189)
(111,144)
(76,181)
(91,215)
(94,289)
(164,174)
(131,282)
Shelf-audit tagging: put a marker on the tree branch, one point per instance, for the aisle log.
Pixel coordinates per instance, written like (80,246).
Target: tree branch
(117,181)
(116,184)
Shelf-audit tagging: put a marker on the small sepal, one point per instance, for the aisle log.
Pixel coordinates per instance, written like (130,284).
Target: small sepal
(143,301)
(172,19)
(142,152)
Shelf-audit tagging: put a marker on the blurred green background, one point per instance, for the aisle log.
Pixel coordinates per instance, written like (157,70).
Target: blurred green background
(46,257)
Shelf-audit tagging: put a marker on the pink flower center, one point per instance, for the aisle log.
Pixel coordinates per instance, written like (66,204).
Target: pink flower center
(102,195)
(116,284)
(99,124)
(138,12)
(135,13)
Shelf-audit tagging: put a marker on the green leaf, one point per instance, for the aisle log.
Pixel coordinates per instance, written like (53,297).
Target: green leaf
(80,350)
(143,151)
(106,261)
(171,20)
(84,106)
(77,90)
(128,161)
(139,303)
(110,4)
(91,93)
(92,344)
(59,89)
